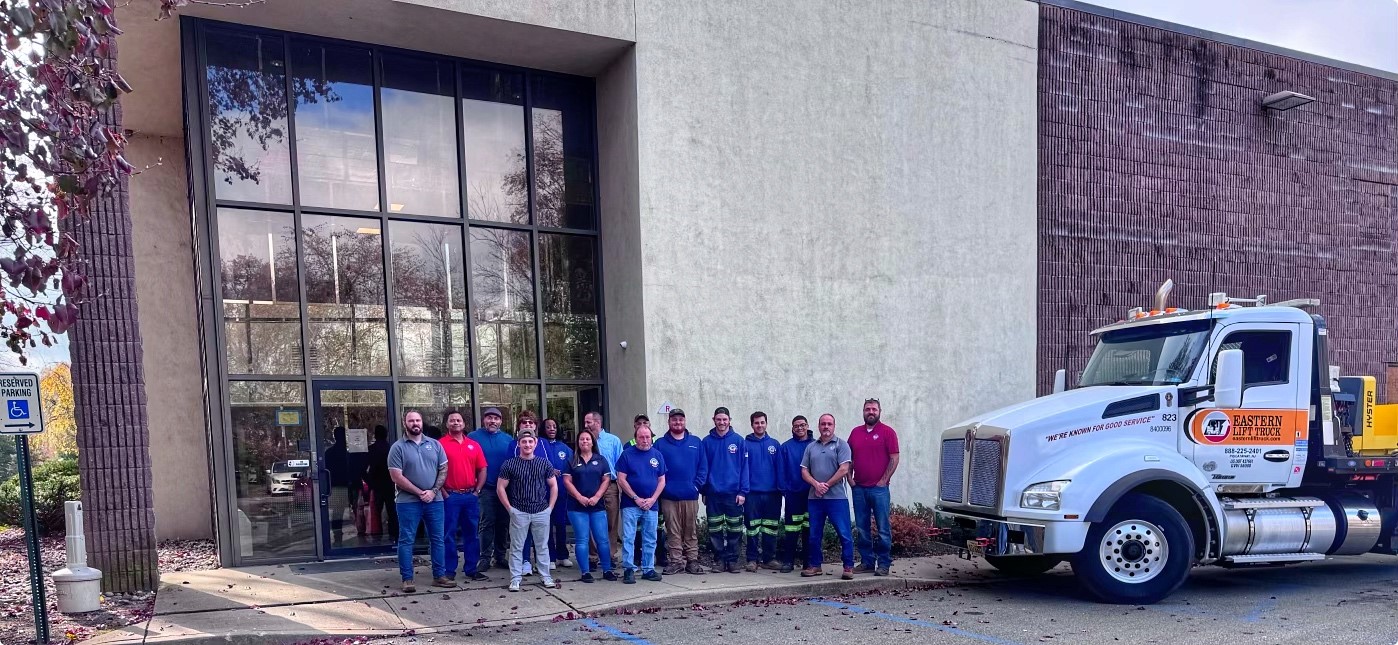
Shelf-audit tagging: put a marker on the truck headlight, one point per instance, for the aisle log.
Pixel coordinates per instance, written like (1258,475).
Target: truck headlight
(1043,495)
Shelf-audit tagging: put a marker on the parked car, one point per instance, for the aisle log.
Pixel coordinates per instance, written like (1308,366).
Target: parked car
(283,476)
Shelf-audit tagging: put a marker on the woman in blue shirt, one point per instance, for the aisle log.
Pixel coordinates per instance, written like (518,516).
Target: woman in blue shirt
(586,480)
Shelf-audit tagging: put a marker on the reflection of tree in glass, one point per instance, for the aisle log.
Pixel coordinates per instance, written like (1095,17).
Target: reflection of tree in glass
(502,272)
(344,284)
(250,104)
(428,291)
(569,292)
(549,179)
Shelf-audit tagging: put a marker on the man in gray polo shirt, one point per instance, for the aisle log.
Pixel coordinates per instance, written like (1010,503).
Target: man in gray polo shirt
(824,467)
(418,466)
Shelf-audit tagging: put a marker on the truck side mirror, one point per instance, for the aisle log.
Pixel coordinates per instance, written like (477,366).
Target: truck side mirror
(1228,383)
(1060,381)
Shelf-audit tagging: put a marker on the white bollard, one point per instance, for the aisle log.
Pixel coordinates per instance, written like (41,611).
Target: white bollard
(79,586)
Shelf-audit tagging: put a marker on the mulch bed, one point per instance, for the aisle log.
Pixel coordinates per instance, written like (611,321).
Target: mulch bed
(118,610)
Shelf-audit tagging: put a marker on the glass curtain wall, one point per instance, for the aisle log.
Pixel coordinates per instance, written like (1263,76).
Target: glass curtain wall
(419,222)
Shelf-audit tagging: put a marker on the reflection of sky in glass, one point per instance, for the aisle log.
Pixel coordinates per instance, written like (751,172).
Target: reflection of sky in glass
(335,149)
(419,122)
(494,140)
(246,76)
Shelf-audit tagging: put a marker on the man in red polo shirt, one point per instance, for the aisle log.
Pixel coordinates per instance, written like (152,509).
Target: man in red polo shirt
(465,478)
(874,451)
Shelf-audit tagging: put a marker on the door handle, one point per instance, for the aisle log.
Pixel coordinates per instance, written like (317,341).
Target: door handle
(324,476)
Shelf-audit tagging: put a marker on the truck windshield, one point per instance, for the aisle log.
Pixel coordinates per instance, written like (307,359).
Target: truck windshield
(1162,354)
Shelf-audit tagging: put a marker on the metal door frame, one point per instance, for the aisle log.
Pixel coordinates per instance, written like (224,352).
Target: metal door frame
(324,550)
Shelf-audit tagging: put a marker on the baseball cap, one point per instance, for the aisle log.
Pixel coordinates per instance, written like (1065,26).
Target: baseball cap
(676,412)
(489,411)
(526,433)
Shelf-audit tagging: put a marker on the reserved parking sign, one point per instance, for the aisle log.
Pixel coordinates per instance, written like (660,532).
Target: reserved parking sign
(19,394)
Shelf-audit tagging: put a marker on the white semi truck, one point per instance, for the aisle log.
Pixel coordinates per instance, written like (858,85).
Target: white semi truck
(1220,436)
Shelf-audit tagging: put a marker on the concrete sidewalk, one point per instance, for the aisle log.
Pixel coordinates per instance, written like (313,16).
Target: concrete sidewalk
(361,598)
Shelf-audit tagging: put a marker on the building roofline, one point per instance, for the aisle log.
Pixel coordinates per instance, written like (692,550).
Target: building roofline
(1115,14)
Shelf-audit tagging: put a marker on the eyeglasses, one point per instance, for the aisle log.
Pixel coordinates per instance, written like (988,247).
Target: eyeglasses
(874,401)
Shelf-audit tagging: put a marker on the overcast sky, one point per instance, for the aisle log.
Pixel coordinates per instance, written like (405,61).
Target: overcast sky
(1363,32)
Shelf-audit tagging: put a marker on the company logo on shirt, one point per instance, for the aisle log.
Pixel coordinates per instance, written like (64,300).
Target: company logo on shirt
(562,455)
(876,436)
(593,462)
(771,450)
(654,463)
(732,448)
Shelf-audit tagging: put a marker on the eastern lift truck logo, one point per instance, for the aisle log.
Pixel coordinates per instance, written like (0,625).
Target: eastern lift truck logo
(1217,427)
(1248,427)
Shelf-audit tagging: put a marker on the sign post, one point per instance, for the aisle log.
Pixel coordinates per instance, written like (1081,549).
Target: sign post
(23,416)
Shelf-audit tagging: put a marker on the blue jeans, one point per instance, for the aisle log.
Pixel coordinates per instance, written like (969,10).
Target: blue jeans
(725,526)
(649,521)
(410,515)
(464,513)
(873,500)
(591,525)
(837,511)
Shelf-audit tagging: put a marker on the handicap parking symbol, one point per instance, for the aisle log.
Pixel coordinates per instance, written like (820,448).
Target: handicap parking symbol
(17,408)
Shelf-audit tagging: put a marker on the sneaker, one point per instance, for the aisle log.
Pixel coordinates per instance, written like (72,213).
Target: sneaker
(810,572)
(609,576)
(674,569)
(695,568)
(651,575)
(550,584)
(863,568)
(881,571)
(734,568)
(786,568)
(848,574)
(629,577)
(587,577)
(478,577)
(444,582)
(566,563)
(483,565)
(751,566)
(514,585)
(771,565)
(408,587)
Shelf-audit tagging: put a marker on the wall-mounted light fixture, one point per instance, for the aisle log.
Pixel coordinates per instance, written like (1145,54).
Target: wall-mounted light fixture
(1285,100)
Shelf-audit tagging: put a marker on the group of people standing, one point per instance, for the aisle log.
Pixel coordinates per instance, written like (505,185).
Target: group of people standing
(526,490)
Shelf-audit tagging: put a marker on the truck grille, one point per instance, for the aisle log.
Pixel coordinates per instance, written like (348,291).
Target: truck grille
(985,472)
(953,470)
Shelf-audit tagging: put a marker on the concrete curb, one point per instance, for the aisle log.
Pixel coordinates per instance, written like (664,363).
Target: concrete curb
(675,600)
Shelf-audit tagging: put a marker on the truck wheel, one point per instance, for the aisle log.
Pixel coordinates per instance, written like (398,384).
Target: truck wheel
(1138,554)
(1023,565)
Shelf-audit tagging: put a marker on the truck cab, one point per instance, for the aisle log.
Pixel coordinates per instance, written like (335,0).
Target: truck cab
(1206,436)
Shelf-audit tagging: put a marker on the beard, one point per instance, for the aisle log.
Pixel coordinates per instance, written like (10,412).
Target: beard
(871,419)
(414,431)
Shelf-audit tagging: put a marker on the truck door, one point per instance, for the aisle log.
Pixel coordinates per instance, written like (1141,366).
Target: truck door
(1256,443)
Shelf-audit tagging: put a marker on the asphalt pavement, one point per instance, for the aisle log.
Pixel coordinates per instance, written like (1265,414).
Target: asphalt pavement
(1350,601)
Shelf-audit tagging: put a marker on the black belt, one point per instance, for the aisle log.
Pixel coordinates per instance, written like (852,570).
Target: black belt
(464,490)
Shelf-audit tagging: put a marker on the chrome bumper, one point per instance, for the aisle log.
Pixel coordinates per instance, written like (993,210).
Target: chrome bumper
(980,536)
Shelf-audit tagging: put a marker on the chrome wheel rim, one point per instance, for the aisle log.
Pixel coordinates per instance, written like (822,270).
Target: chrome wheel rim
(1134,551)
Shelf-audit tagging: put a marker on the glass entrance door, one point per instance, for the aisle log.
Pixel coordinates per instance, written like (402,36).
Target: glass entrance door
(355,425)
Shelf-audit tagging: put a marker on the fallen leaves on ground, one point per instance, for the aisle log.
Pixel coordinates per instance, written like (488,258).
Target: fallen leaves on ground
(118,610)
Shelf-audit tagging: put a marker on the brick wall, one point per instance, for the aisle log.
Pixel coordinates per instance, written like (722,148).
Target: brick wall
(1156,160)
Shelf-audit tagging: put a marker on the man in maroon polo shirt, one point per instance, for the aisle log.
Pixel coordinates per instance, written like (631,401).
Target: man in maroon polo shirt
(465,478)
(874,451)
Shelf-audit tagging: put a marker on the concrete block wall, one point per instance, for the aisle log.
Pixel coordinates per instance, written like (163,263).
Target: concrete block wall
(1157,160)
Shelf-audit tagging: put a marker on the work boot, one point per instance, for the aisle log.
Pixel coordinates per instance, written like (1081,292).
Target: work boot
(586,577)
(673,569)
(695,568)
(734,568)
(478,577)
(771,565)
(810,572)
(864,568)
(751,567)
(609,576)
(881,571)
(409,587)
(444,582)
(848,574)
(629,577)
(651,576)
(786,568)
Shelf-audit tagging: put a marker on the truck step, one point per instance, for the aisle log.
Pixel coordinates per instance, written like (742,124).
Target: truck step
(1231,504)
(1263,558)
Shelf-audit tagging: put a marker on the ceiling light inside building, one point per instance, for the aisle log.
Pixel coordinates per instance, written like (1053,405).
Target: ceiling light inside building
(1286,100)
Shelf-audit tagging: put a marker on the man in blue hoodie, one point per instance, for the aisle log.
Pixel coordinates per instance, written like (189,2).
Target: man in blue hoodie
(764,500)
(796,519)
(726,490)
(688,470)
(494,532)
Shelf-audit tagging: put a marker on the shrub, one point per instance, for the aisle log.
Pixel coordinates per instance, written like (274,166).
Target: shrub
(913,529)
(55,482)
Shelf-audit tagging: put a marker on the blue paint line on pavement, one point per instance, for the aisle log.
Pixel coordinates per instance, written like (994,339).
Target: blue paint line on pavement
(1262,608)
(630,638)
(911,621)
